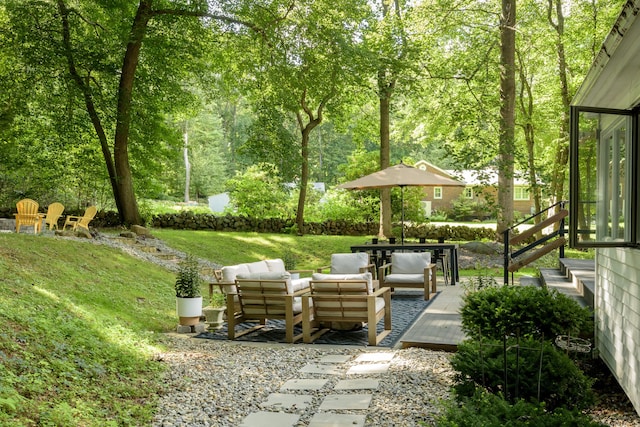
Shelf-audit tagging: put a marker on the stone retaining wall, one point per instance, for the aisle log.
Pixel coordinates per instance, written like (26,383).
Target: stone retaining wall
(190,221)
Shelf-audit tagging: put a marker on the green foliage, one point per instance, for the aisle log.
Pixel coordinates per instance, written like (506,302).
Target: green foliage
(258,192)
(531,311)
(81,331)
(290,260)
(535,371)
(464,209)
(188,281)
(340,205)
(218,299)
(489,410)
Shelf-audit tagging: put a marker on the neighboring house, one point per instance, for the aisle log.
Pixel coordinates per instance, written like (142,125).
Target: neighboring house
(479,187)
(604,203)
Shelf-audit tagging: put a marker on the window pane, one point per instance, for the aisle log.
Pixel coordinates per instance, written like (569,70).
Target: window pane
(602,207)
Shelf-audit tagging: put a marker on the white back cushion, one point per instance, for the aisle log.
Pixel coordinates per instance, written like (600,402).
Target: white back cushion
(409,263)
(257,267)
(230,272)
(275,264)
(349,263)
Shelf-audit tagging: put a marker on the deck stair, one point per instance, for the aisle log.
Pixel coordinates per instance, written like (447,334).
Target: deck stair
(574,278)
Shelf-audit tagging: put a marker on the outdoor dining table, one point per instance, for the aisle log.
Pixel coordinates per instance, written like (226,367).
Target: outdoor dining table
(380,251)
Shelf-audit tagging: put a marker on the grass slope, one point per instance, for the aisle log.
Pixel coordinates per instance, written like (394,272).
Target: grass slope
(78,333)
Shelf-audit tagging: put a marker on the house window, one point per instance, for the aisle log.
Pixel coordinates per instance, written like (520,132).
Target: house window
(521,193)
(437,192)
(468,193)
(603,206)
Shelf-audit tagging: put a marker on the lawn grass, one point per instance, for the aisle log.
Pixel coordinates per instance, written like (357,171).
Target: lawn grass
(79,326)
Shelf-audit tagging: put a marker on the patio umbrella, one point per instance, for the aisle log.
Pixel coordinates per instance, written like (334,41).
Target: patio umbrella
(400,175)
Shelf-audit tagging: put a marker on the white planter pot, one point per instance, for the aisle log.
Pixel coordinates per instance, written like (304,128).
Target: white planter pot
(189,310)
(215,316)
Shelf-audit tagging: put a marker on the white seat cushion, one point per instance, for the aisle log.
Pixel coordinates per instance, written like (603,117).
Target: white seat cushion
(404,278)
(349,263)
(299,284)
(410,263)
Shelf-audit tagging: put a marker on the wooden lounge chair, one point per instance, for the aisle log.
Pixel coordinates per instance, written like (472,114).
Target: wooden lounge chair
(54,212)
(409,270)
(262,296)
(345,298)
(81,221)
(28,215)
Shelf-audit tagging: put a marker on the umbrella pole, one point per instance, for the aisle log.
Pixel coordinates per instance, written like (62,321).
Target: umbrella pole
(402,223)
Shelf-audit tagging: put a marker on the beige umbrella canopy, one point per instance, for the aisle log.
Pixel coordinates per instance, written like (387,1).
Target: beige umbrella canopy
(400,176)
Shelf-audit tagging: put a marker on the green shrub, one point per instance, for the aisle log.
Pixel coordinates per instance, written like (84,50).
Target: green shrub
(493,312)
(533,370)
(488,410)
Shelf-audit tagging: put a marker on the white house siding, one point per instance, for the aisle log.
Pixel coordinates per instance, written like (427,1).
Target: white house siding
(618,316)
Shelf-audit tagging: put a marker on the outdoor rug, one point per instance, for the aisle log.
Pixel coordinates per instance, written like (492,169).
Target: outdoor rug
(406,306)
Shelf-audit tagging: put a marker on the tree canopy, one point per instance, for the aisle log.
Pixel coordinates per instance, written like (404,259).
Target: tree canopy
(95,94)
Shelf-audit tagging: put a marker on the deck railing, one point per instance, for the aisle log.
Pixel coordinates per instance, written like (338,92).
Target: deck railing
(515,260)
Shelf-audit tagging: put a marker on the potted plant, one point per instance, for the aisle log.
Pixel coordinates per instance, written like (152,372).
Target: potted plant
(214,312)
(290,262)
(188,293)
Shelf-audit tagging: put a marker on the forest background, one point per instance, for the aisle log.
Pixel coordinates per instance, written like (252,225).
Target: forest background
(113,102)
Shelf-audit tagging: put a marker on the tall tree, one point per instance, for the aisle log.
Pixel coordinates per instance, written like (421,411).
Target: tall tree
(313,62)
(391,47)
(506,147)
(91,52)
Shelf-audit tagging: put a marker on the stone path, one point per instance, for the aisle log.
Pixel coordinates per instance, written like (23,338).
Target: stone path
(346,404)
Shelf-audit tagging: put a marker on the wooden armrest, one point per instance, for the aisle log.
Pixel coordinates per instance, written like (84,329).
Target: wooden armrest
(71,217)
(302,292)
(319,269)
(380,291)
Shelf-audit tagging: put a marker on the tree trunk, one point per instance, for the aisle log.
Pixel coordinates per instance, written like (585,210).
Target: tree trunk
(562,144)
(85,88)
(126,194)
(187,165)
(305,131)
(507,114)
(527,109)
(385,193)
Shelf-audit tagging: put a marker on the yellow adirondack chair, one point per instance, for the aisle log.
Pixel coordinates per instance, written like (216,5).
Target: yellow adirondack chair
(28,215)
(81,221)
(54,212)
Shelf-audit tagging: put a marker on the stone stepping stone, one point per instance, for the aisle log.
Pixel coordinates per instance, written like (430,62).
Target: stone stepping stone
(375,357)
(360,384)
(304,384)
(280,401)
(322,368)
(270,419)
(369,368)
(346,401)
(327,419)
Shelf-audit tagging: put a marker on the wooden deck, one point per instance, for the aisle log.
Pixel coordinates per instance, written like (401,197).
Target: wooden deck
(439,326)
